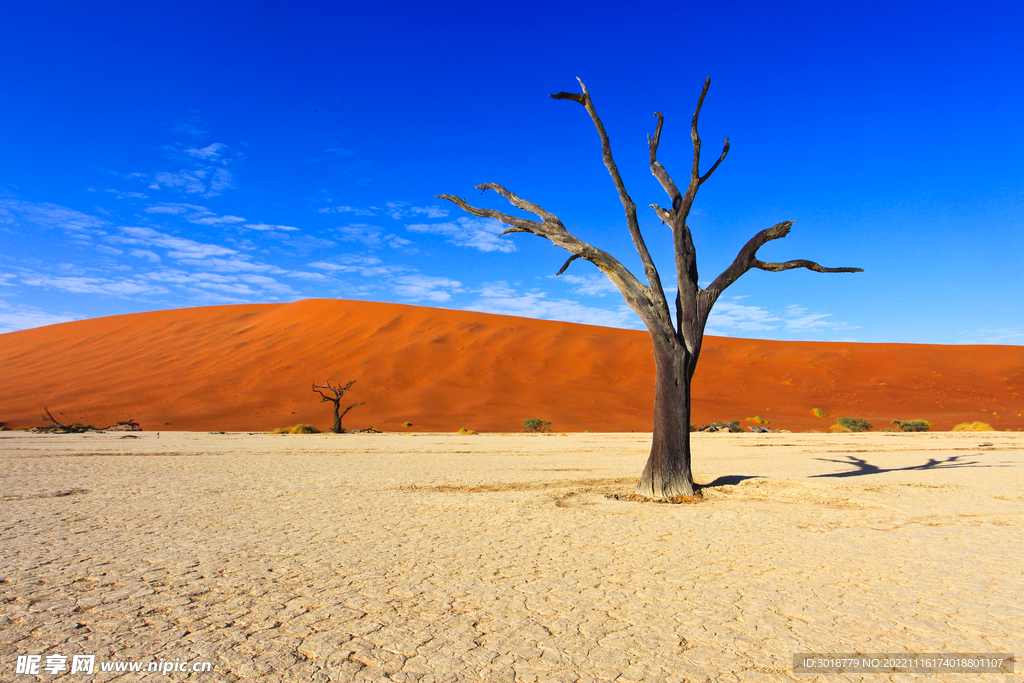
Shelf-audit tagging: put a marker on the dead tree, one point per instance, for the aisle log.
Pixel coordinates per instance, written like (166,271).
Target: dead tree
(676,344)
(338,392)
(60,428)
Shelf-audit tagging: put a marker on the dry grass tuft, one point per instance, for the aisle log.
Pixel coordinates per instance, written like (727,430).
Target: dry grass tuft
(973,427)
(297,429)
(674,500)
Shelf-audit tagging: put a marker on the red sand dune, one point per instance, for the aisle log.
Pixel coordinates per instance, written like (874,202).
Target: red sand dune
(249,368)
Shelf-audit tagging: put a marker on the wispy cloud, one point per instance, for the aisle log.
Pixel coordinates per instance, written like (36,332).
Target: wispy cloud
(206,182)
(347,209)
(397,210)
(150,256)
(366,266)
(210,152)
(21,317)
(200,215)
(265,227)
(125,287)
(371,236)
(178,247)
(589,285)
(475,233)
(503,299)
(15,212)
(400,210)
(425,288)
(127,195)
(733,317)
(988,335)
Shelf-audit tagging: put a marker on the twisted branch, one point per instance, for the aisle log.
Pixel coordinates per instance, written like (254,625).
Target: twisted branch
(627,203)
(747,259)
(638,296)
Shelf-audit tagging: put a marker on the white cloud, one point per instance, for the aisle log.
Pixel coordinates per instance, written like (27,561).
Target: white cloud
(264,227)
(217,220)
(178,247)
(740,318)
(347,209)
(423,287)
(176,209)
(987,335)
(732,317)
(92,285)
(130,195)
(367,266)
(207,182)
(503,299)
(371,236)
(208,152)
(23,317)
(150,256)
(400,210)
(15,212)
(589,285)
(200,215)
(476,233)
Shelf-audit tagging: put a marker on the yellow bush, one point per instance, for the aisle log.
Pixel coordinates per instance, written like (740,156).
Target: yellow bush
(973,427)
(818,412)
(297,429)
(467,431)
(758,420)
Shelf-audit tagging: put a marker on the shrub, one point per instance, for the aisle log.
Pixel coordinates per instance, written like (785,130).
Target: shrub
(912,425)
(818,412)
(297,429)
(973,427)
(852,424)
(467,431)
(535,425)
(408,424)
(758,420)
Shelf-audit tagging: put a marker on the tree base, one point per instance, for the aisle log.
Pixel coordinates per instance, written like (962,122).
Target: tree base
(658,489)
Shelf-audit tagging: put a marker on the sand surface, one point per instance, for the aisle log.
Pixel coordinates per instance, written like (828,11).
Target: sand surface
(503,558)
(251,367)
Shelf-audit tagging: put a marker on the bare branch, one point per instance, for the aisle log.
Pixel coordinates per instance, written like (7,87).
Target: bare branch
(725,150)
(810,265)
(659,171)
(747,259)
(638,296)
(519,224)
(695,171)
(47,417)
(343,414)
(575,97)
(627,203)
(664,215)
(570,260)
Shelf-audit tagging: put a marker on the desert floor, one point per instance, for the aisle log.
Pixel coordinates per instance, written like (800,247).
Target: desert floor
(504,557)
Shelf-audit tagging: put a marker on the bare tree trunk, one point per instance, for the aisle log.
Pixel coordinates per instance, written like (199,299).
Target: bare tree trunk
(667,473)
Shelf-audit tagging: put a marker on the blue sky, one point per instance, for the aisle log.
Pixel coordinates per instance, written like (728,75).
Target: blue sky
(159,156)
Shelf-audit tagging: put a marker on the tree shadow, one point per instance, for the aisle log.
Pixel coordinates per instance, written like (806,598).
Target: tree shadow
(727,480)
(865,468)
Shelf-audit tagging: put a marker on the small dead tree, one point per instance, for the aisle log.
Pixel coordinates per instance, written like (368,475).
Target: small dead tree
(676,344)
(337,392)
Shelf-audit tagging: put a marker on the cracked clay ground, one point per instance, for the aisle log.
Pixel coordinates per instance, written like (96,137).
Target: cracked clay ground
(504,558)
